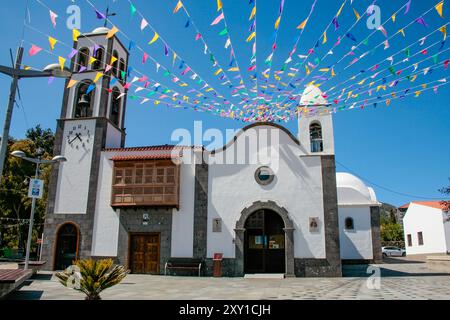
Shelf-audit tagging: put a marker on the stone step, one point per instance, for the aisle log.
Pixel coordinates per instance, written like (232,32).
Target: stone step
(264,276)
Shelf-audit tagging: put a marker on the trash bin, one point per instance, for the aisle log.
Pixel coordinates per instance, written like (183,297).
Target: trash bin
(217,272)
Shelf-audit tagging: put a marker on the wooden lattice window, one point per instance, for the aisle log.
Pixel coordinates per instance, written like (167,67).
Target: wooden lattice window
(145,183)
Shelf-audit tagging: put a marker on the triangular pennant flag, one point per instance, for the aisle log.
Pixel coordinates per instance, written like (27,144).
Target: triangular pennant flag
(324,37)
(218,19)
(61,61)
(53,17)
(144,58)
(132,9)
(75,35)
(108,67)
(144,24)
(277,23)
(113,59)
(155,37)
(98,76)
(439,8)
(303,24)
(92,60)
(251,36)
(178,6)
(252,14)
(112,32)
(90,88)
(356,14)
(443,29)
(99,15)
(219,5)
(34,50)
(71,83)
(223,32)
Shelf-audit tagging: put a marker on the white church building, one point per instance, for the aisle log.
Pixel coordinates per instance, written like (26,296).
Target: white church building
(291,213)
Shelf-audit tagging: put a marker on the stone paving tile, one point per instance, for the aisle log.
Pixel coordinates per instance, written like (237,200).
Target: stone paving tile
(421,285)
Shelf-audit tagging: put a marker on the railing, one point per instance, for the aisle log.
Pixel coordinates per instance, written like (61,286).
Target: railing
(316,145)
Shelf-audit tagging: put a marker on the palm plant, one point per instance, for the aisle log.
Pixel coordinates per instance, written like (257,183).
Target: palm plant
(92,276)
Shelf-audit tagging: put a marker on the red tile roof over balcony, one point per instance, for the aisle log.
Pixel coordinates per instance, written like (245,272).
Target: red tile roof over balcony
(432,204)
(165,147)
(166,156)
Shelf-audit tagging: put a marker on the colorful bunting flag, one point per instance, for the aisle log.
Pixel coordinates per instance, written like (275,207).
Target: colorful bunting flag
(252,14)
(71,83)
(144,24)
(62,62)
(219,5)
(443,29)
(178,6)
(34,50)
(155,37)
(439,7)
(53,17)
(75,35)
(303,24)
(112,32)
(218,19)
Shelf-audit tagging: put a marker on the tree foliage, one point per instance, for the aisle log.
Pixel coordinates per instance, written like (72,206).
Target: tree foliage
(14,202)
(446,203)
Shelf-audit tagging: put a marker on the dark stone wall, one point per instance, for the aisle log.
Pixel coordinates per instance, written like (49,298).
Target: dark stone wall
(131,222)
(331,223)
(375,221)
(200,211)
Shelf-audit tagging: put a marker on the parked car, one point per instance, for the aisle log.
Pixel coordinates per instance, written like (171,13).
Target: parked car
(393,252)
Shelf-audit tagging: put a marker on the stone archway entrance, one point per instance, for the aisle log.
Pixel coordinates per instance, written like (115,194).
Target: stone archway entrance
(66,246)
(259,233)
(264,243)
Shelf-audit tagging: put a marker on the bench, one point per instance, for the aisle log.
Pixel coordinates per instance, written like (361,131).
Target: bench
(11,279)
(35,266)
(183,264)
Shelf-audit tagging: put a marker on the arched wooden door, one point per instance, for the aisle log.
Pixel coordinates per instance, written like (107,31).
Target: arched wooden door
(66,246)
(264,248)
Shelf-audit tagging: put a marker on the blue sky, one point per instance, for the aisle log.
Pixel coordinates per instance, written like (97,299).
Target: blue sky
(403,147)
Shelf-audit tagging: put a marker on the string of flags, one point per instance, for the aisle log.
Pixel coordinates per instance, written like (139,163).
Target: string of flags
(274,92)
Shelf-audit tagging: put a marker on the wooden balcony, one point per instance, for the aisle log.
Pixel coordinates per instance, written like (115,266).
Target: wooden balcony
(145,183)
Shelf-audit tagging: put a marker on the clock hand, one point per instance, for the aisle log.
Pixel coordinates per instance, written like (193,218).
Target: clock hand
(70,142)
(78,136)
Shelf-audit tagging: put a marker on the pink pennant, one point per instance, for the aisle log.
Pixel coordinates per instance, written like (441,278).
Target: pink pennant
(53,17)
(127,86)
(108,67)
(185,71)
(198,36)
(424,51)
(82,68)
(34,50)
(144,58)
(144,24)
(218,19)
(251,68)
(446,64)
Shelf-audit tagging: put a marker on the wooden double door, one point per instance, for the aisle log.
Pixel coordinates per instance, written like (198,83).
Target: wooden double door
(144,253)
(264,247)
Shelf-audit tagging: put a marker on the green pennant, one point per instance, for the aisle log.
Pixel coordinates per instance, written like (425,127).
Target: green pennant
(151,93)
(435,58)
(132,9)
(223,32)
(283,68)
(317,60)
(133,97)
(211,58)
(166,91)
(123,74)
(166,73)
(366,41)
(392,70)
(408,52)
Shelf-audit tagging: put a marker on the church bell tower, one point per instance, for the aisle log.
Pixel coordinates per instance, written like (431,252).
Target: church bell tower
(92,119)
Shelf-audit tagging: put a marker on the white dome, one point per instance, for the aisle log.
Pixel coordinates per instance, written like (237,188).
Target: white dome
(312,95)
(100,30)
(351,190)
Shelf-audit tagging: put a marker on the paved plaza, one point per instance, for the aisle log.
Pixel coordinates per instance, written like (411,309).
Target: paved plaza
(404,281)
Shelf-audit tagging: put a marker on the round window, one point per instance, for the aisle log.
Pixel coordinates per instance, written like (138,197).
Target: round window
(264,175)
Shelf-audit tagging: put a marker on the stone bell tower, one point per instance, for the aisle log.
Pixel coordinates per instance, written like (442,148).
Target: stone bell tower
(92,119)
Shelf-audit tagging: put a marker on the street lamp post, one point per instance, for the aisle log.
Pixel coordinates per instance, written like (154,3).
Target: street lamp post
(16,73)
(38,161)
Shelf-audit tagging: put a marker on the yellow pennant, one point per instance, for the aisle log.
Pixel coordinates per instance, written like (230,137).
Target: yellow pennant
(98,76)
(303,24)
(253,13)
(402,31)
(92,60)
(277,23)
(371,84)
(183,84)
(324,70)
(307,70)
(113,59)
(75,34)
(217,72)
(424,86)
(356,14)
(417,93)
(413,78)
(174,57)
(52,42)
(340,9)
(362,81)
(155,37)
(324,37)
(439,7)
(62,61)
(443,29)
(388,102)
(251,36)
(157,102)
(112,32)
(332,72)
(393,18)
(178,6)
(219,5)
(71,83)
(234,69)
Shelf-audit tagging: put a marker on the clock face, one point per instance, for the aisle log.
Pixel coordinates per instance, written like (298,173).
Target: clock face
(79,137)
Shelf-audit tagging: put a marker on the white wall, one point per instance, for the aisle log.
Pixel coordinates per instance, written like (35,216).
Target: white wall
(357,243)
(113,137)
(297,187)
(73,176)
(326,122)
(447,235)
(183,219)
(106,223)
(429,221)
